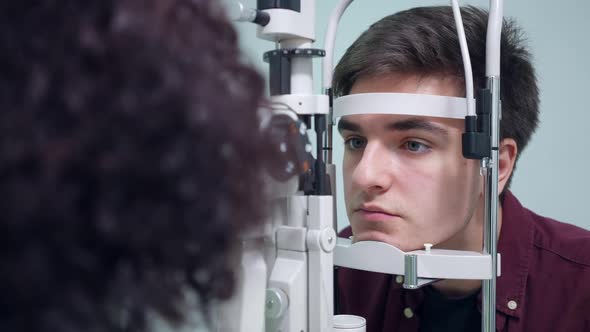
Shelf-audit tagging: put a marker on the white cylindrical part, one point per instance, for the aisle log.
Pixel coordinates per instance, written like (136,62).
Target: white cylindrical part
(301,67)
(330,40)
(349,323)
(493,38)
(466,58)
(301,76)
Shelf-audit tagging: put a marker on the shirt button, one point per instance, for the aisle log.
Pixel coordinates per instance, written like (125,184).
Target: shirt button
(399,279)
(408,313)
(512,305)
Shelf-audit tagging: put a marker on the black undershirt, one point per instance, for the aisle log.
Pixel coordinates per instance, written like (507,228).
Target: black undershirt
(441,314)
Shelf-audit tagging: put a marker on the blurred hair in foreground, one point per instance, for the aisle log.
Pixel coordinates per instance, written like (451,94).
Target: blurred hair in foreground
(130,161)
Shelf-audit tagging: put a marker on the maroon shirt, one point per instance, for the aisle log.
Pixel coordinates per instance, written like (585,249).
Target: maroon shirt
(545,282)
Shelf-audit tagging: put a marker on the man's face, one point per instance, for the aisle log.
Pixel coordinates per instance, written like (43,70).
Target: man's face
(405,179)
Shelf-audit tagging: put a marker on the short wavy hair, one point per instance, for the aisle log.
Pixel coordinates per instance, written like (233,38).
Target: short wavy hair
(130,161)
(423,41)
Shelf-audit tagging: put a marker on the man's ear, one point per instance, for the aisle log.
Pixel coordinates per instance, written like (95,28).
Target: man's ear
(507,158)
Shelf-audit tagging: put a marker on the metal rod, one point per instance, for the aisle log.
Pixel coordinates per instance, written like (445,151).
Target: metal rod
(330,123)
(411,271)
(491,211)
(322,187)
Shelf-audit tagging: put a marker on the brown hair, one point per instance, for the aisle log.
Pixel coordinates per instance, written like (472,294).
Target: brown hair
(424,40)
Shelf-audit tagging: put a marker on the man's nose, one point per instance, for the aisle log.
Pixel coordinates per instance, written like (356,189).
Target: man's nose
(374,172)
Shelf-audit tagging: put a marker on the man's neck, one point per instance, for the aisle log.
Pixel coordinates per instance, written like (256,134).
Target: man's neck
(471,239)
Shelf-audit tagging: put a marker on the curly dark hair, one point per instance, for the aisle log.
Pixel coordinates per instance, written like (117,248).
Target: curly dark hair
(130,161)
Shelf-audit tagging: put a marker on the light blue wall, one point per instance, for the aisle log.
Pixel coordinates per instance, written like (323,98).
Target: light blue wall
(551,178)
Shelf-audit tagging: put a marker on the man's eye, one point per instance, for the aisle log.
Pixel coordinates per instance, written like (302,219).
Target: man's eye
(416,147)
(355,143)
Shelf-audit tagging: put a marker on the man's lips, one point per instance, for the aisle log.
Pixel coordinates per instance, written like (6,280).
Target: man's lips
(373,213)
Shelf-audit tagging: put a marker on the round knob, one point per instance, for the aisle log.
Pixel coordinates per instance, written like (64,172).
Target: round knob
(276,303)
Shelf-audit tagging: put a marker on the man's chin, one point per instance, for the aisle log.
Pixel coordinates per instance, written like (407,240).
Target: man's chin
(383,237)
(374,236)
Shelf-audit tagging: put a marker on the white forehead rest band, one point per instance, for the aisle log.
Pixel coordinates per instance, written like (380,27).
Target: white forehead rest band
(400,103)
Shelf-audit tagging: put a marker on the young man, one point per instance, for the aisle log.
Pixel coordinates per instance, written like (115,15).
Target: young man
(130,162)
(407,183)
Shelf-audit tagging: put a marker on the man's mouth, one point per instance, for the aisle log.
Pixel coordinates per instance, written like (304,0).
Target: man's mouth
(374,213)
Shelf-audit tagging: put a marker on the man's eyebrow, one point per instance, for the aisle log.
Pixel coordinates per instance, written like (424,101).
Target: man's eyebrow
(417,124)
(347,125)
(403,125)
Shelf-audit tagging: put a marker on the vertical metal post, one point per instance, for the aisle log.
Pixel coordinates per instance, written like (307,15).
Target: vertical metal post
(328,138)
(411,271)
(491,210)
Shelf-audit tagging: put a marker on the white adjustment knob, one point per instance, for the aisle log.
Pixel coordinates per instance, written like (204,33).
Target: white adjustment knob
(277,303)
(328,239)
(427,247)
